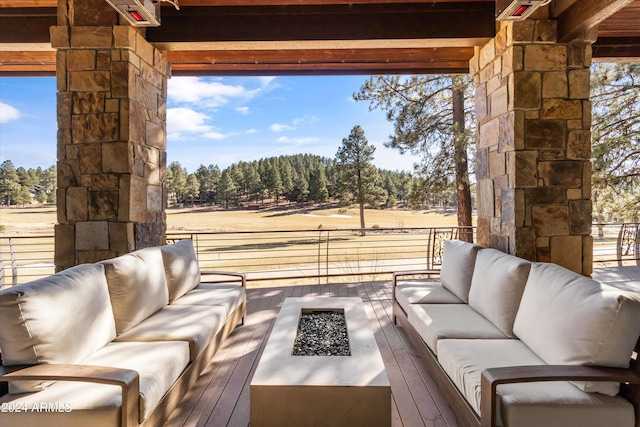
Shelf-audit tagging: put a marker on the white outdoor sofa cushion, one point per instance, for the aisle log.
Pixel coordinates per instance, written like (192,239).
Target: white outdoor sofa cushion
(424,292)
(454,282)
(435,322)
(98,405)
(497,286)
(228,296)
(137,286)
(196,325)
(181,268)
(548,404)
(36,319)
(584,322)
(457,267)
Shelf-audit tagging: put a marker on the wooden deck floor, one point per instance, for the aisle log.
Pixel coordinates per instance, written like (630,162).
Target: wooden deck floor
(221,396)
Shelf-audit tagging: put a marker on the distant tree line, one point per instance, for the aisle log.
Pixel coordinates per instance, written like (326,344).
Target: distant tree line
(301,179)
(20,186)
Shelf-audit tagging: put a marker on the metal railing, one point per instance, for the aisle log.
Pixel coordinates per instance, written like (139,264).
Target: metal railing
(270,255)
(616,244)
(25,258)
(322,254)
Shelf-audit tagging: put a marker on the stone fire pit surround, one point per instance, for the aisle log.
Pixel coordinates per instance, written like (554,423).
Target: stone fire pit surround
(321,390)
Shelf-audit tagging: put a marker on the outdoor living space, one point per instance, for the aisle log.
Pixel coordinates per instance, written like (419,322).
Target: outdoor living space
(221,397)
(113,280)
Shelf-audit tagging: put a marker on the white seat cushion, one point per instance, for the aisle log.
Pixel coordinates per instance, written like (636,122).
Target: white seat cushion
(457,267)
(158,363)
(435,322)
(424,292)
(63,318)
(196,325)
(181,268)
(584,322)
(497,286)
(549,404)
(137,286)
(230,297)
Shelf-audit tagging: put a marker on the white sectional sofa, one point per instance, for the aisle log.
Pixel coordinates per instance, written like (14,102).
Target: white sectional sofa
(520,344)
(116,343)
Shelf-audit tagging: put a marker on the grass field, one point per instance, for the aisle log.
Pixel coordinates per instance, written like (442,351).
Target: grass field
(317,241)
(39,221)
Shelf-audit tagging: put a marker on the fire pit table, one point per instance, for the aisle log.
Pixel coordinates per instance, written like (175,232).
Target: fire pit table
(289,390)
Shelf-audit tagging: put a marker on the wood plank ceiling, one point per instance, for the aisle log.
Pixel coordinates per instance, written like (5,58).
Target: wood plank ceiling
(276,37)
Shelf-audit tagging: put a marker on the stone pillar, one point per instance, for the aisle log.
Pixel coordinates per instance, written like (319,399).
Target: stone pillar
(112,87)
(534,145)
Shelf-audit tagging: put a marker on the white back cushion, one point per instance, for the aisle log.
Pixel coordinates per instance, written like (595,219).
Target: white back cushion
(63,318)
(137,286)
(569,319)
(457,267)
(496,287)
(181,268)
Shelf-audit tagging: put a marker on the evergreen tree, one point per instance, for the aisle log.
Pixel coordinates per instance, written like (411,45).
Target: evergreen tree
(434,118)
(192,187)
(318,184)
(300,192)
(227,191)
(286,176)
(176,181)
(358,178)
(615,94)
(253,182)
(9,186)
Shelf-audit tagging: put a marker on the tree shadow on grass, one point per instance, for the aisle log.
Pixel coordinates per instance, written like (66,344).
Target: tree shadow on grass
(273,245)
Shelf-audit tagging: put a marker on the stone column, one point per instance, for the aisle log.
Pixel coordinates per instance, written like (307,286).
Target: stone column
(112,87)
(534,145)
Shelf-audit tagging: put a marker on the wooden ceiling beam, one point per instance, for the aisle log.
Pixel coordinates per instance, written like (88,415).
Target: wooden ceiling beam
(616,49)
(329,22)
(585,15)
(339,61)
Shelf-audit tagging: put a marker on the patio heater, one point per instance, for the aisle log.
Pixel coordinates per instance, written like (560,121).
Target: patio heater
(141,13)
(517,10)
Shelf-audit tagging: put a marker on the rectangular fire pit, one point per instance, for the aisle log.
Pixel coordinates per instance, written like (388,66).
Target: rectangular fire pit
(320,390)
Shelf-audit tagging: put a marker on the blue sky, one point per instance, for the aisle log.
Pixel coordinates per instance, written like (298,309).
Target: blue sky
(216,120)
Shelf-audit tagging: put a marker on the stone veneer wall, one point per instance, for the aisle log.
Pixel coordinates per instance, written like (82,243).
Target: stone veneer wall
(112,88)
(534,145)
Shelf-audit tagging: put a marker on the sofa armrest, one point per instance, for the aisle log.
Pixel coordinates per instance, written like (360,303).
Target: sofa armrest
(493,377)
(410,273)
(242,276)
(127,379)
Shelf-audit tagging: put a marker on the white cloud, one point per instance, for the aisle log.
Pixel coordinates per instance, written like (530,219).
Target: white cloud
(306,140)
(214,135)
(266,80)
(305,119)
(210,94)
(250,131)
(8,113)
(279,127)
(186,120)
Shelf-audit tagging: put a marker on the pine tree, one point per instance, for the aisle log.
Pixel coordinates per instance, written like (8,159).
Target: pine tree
(318,184)
(433,118)
(615,94)
(9,186)
(227,190)
(359,181)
